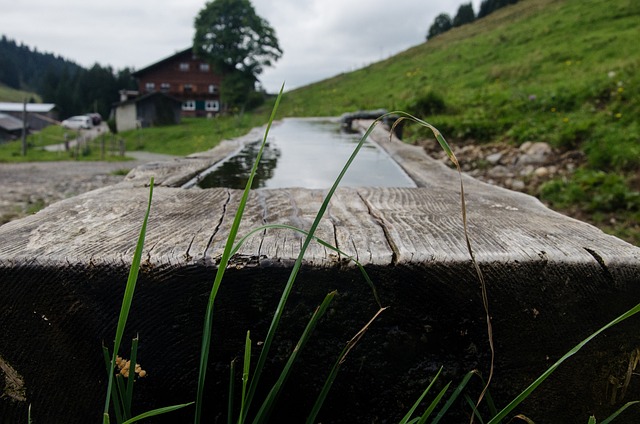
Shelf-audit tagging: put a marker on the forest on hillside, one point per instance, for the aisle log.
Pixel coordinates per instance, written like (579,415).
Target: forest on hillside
(74,89)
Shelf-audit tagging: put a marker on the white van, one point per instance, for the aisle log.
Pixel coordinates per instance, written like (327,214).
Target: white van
(77,122)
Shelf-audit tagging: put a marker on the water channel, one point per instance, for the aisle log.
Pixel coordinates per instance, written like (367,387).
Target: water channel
(308,153)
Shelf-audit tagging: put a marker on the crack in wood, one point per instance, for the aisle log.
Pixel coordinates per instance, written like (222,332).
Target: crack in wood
(605,270)
(187,256)
(335,239)
(218,225)
(395,253)
(265,210)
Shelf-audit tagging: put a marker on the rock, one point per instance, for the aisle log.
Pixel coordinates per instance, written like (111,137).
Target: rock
(499,171)
(535,153)
(494,159)
(541,172)
(518,185)
(527,170)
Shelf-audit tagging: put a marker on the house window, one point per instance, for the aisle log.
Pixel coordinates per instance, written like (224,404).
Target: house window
(184,66)
(150,86)
(211,105)
(165,87)
(204,67)
(189,105)
(213,89)
(187,88)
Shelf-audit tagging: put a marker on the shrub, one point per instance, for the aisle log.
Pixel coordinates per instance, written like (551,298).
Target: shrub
(427,104)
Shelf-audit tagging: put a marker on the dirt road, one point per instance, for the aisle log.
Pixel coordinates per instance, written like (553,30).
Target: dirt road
(26,188)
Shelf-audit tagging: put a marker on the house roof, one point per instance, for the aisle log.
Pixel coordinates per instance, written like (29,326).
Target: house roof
(166,59)
(31,107)
(9,123)
(146,96)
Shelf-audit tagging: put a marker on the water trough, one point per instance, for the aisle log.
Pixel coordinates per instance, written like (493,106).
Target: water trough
(552,280)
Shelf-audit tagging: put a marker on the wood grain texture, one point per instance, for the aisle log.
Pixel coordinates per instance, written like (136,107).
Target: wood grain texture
(378,226)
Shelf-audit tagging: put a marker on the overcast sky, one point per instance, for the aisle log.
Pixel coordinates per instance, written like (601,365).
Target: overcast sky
(320,38)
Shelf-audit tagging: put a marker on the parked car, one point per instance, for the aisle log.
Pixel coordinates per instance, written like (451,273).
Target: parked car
(77,122)
(96,118)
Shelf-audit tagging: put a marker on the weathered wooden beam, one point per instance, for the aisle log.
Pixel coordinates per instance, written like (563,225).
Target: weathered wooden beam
(552,280)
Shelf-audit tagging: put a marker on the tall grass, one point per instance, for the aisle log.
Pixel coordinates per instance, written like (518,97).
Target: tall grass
(251,374)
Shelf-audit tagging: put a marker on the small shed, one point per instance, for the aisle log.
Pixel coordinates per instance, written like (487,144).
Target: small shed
(149,110)
(10,127)
(39,115)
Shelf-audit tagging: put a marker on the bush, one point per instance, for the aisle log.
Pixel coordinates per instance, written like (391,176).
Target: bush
(430,103)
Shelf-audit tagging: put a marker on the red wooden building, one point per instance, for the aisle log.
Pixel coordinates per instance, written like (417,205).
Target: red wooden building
(187,78)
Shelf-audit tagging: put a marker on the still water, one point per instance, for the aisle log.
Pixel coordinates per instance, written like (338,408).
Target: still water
(308,153)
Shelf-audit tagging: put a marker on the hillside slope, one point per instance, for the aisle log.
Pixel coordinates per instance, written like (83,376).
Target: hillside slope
(8,94)
(561,71)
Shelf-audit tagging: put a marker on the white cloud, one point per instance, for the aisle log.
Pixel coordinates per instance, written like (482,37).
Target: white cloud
(320,38)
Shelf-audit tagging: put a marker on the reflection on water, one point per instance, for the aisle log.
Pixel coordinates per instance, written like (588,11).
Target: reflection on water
(308,153)
(234,172)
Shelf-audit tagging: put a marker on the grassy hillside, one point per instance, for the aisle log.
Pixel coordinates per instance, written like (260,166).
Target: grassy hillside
(562,71)
(8,94)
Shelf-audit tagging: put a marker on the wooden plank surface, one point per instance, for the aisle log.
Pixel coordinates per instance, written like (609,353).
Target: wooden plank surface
(376,225)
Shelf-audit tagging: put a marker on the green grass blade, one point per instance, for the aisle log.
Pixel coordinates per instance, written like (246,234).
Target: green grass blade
(311,419)
(114,395)
(433,404)
(224,260)
(411,411)
(454,396)
(514,403)
(268,403)
(318,240)
(126,414)
(296,267)
(157,412)
(619,411)
(245,376)
(592,420)
(474,408)
(483,285)
(132,374)
(128,296)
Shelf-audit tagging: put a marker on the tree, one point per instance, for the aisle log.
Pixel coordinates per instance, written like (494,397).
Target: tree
(465,15)
(442,23)
(489,6)
(237,42)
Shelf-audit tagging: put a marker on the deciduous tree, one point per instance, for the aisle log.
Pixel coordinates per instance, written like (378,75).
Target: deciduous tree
(236,41)
(442,23)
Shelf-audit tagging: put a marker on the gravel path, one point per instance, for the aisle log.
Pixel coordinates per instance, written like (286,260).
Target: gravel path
(29,187)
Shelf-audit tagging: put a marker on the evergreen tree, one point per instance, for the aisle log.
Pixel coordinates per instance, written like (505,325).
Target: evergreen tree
(490,6)
(74,89)
(465,15)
